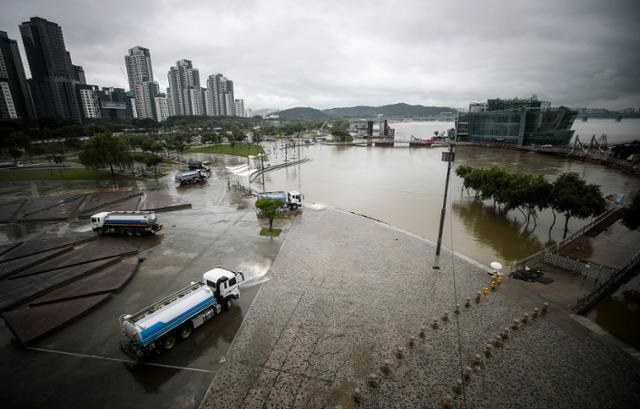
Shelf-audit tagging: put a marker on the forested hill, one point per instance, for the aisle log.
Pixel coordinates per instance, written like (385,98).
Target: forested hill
(400,110)
(301,113)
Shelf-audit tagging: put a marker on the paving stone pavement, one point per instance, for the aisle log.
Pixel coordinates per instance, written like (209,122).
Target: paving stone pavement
(347,291)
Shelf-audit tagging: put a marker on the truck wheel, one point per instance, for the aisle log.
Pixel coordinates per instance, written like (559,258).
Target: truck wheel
(227,304)
(185,331)
(169,342)
(294,206)
(99,231)
(138,233)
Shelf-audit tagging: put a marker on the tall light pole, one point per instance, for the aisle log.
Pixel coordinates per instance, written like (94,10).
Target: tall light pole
(448,157)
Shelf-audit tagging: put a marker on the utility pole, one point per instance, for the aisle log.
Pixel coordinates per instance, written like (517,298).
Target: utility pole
(448,157)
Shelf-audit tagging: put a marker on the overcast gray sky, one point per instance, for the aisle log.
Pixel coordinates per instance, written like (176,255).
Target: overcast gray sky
(327,53)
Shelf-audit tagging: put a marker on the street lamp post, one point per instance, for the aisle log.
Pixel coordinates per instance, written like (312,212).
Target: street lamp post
(448,157)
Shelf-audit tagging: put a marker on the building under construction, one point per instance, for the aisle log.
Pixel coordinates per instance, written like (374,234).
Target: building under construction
(515,122)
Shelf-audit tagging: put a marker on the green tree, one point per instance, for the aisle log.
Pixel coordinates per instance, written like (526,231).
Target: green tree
(17,144)
(573,197)
(269,208)
(341,134)
(104,149)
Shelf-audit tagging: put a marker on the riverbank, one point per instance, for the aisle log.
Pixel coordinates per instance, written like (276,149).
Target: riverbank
(342,301)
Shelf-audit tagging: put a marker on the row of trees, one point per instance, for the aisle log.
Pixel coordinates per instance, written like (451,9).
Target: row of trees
(568,195)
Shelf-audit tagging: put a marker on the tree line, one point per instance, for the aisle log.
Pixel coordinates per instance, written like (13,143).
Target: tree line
(569,194)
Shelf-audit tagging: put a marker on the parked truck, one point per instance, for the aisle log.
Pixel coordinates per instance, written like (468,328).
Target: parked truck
(290,200)
(157,327)
(200,164)
(192,176)
(125,223)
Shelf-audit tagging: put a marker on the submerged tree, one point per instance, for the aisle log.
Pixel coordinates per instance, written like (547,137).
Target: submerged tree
(569,194)
(631,214)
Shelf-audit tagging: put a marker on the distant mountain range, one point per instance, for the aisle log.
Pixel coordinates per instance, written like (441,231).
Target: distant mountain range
(399,110)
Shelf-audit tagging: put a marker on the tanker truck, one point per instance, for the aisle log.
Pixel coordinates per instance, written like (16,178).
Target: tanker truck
(291,200)
(192,176)
(156,328)
(125,223)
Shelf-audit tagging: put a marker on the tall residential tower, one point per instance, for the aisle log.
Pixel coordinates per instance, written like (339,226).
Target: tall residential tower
(15,96)
(140,75)
(184,89)
(54,77)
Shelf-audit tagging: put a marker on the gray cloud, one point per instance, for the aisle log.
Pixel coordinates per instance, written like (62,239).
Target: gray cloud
(330,53)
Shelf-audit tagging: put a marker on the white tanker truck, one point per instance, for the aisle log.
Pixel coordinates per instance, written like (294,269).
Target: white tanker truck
(157,327)
(125,223)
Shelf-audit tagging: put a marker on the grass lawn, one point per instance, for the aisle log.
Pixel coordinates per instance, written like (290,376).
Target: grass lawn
(56,174)
(273,233)
(226,149)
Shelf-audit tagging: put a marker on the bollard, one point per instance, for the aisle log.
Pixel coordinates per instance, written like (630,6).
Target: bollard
(515,324)
(485,291)
(434,324)
(400,353)
(468,302)
(457,386)
(493,285)
(466,373)
(386,367)
(478,296)
(535,313)
(423,331)
(545,308)
(457,310)
(412,341)
(373,380)
(445,316)
(357,395)
(477,360)
(487,350)
(447,402)
(499,280)
(525,318)
(497,341)
(505,333)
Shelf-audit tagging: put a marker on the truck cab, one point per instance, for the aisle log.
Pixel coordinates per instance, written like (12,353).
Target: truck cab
(294,199)
(224,283)
(97,220)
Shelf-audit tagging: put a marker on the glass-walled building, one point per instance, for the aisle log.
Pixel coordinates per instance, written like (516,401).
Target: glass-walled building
(515,122)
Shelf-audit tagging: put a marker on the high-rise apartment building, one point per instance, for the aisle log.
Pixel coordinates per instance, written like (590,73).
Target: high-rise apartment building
(140,75)
(184,89)
(220,96)
(162,108)
(15,95)
(239,107)
(88,97)
(54,77)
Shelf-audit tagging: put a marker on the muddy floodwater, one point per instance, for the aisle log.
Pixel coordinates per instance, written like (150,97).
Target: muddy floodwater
(404,187)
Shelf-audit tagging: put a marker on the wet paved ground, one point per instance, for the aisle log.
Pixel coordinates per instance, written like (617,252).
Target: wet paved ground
(81,365)
(346,292)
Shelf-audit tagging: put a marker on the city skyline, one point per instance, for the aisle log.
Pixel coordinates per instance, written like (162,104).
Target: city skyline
(284,54)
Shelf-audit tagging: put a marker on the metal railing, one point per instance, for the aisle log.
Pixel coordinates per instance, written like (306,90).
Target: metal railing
(585,303)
